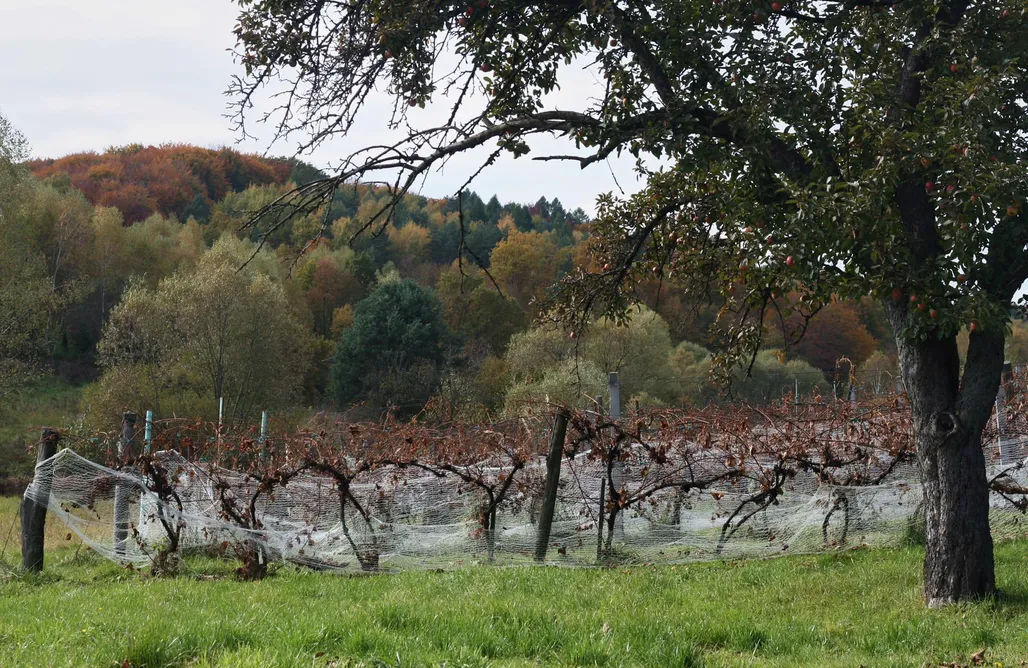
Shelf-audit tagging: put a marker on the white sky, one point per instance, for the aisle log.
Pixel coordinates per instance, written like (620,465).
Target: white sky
(85,75)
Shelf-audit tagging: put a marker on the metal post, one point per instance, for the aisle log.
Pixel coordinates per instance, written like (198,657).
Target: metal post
(148,434)
(122,495)
(560,425)
(264,434)
(34,503)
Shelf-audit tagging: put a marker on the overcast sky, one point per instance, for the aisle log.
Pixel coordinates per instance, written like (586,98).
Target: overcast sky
(88,74)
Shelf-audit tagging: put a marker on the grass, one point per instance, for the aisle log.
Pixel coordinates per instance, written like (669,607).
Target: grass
(846,609)
(44,402)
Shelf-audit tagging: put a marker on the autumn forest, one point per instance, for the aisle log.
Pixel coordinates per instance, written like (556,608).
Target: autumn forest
(138,279)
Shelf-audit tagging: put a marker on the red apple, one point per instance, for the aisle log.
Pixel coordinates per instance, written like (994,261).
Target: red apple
(974,198)
(388,55)
(613,42)
(950,188)
(961,278)
(929,186)
(776,6)
(913,298)
(954,68)
(789,261)
(933,314)
(897,294)
(922,306)
(974,325)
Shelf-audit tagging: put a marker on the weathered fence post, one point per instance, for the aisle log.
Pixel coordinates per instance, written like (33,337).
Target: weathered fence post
(614,389)
(560,426)
(121,494)
(599,521)
(34,503)
(617,471)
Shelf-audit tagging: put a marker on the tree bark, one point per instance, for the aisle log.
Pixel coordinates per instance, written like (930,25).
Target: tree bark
(949,415)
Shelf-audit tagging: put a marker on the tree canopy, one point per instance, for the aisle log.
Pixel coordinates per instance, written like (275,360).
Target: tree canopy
(389,356)
(806,150)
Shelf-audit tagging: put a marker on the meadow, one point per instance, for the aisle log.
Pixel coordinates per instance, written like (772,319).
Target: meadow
(860,607)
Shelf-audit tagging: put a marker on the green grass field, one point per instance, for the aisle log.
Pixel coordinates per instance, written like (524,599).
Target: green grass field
(848,609)
(49,402)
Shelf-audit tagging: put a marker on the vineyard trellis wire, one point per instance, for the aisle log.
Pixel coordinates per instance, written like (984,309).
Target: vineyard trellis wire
(660,486)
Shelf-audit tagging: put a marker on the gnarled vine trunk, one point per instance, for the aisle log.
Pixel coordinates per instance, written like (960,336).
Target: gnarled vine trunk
(950,413)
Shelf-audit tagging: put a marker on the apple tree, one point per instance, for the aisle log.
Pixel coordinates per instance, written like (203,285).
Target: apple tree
(814,149)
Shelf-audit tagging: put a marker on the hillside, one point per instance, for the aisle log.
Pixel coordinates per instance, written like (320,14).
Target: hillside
(172,179)
(128,266)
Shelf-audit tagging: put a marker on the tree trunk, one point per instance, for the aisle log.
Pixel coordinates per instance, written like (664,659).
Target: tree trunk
(958,544)
(949,414)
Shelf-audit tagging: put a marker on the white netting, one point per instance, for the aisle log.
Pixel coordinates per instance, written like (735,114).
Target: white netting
(405,517)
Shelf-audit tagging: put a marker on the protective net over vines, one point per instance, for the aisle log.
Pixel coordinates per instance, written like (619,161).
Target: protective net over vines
(651,488)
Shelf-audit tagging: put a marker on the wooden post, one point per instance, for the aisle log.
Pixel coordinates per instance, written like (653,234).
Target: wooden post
(33,511)
(617,472)
(560,426)
(121,494)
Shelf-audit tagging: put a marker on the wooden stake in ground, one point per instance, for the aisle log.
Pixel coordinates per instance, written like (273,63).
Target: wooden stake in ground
(33,512)
(122,494)
(560,427)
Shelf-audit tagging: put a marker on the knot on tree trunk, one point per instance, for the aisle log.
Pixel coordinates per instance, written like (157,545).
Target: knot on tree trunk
(946,424)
